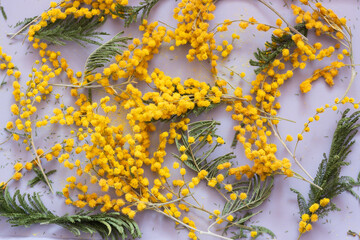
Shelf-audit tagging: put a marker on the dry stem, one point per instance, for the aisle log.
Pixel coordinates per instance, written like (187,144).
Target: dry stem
(192,228)
(38,162)
(294,157)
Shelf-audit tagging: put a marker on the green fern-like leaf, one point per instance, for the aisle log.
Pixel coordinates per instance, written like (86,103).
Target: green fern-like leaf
(273,49)
(80,30)
(26,210)
(328,174)
(198,153)
(105,53)
(258,191)
(303,206)
(131,13)
(261,230)
(24,22)
(39,177)
(2,10)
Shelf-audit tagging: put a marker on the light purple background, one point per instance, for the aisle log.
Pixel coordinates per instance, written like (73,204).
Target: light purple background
(280,211)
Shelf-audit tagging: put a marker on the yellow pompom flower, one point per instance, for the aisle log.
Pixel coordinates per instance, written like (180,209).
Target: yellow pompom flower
(176,165)
(28,166)
(219,140)
(184,191)
(314,217)
(300,137)
(18,166)
(324,202)
(243,196)
(230,218)
(17,176)
(182,148)
(183,171)
(289,138)
(314,207)
(184,157)
(305,217)
(228,187)
(217,212)
(308,227)
(233,196)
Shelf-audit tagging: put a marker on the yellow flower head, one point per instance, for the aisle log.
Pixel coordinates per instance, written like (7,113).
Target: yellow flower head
(243,196)
(289,138)
(314,217)
(253,233)
(182,148)
(305,217)
(314,207)
(219,140)
(324,202)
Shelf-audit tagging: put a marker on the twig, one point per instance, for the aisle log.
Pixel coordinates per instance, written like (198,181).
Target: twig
(6,140)
(38,161)
(298,176)
(166,24)
(293,156)
(26,26)
(192,228)
(157,205)
(240,20)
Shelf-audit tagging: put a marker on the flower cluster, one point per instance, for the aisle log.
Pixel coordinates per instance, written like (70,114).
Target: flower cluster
(306,219)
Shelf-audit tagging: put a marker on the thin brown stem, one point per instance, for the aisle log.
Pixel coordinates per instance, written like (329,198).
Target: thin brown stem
(192,228)
(38,162)
(288,150)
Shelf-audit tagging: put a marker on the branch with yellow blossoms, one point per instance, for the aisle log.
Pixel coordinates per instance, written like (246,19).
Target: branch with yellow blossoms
(116,158)
(328,175)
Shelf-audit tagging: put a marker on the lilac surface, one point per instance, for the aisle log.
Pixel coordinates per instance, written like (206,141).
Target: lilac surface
(280,211)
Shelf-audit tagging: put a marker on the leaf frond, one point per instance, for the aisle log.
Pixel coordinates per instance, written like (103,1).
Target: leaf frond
(80,30)
(40,177)
(105,53)
(22,212)
(328,174)
(257,192)
(130,14)
(263,58)
(3,13)
(199,152)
